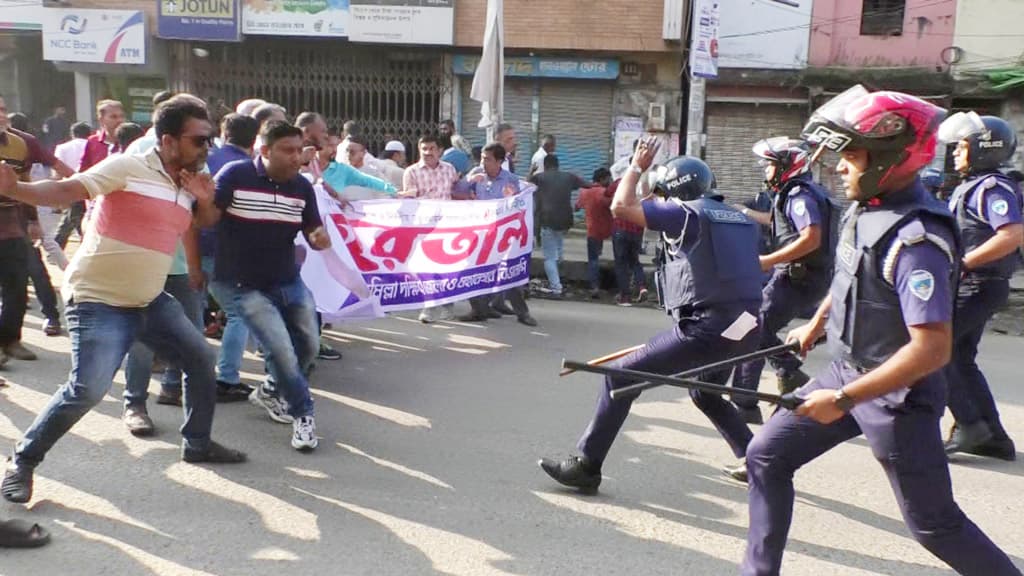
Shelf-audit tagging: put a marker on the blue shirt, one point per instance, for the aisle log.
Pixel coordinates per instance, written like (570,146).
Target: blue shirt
(340,176)
(224,155)
(488,189)
(459,159)
(256,234)
(802,209)
(992,202)
(672,219)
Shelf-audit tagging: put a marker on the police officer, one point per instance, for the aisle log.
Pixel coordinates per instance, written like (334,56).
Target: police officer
(987,207)
(889,321)
(803,248)
(710,285)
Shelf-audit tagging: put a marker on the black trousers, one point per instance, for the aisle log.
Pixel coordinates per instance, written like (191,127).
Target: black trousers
(40,277)
(70,222)
(14,284)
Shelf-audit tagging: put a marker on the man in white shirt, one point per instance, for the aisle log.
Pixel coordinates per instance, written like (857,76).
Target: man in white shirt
(547,146)
(70,152)
(392,163)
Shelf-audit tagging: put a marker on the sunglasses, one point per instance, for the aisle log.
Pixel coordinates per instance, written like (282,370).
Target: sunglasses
(199,140)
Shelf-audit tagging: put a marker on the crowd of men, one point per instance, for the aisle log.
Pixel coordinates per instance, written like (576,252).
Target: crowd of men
(903,284)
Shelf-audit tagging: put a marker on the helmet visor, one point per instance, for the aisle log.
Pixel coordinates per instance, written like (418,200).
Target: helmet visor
(771,148)
(819,132)
(960,126)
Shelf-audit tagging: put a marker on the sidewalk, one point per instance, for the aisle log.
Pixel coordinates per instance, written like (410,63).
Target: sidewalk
(573,268)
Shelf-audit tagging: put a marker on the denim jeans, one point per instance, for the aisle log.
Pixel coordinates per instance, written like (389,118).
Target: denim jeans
(626,247)
(100,337)
(139,367)
(594,249)
(552,241)
(236,333)
(283,319)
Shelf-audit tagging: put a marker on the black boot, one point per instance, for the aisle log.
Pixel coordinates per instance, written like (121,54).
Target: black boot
(968,438)
(737,472)
(1001,448)
(574,471)
(790,381)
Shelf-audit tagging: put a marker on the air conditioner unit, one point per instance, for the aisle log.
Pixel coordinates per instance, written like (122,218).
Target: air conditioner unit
(656,117)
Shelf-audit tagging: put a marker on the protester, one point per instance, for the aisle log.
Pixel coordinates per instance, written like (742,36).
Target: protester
(55,129)
(128,133)
(596,204)
(553,203)
(547,146)
(114,285)
(71,151)
(392,163)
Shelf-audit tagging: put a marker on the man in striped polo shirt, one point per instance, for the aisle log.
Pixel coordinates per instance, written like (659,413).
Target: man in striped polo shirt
(114,284)
(260,207)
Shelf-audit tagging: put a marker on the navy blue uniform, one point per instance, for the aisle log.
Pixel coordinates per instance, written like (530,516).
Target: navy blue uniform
(711,286)
(982,205)
(896,267)
(794,287)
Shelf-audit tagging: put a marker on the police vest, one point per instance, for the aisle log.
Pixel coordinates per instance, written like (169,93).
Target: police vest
(818,264)
(974,229)
(865,324)
(719,268)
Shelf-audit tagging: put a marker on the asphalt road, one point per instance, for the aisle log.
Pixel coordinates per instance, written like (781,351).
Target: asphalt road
(429,438)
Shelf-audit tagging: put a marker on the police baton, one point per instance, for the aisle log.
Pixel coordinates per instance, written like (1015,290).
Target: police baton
(606,358)
(647,383)
(789,401)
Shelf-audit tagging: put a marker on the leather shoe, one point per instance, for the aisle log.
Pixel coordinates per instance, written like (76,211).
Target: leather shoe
(752,415)
(232,392)
(503,309)
(214,454)
(18,351)
(574,471)
(138,421)
(1000,448)
(169,397)
(528,320)
(968,438)
(17,484)
(737,472)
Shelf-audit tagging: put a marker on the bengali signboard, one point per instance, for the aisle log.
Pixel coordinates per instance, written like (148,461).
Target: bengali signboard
(295,17)
(402,21)
(537,67)
(198,20)
(105,36)
(391,255)
(704,44)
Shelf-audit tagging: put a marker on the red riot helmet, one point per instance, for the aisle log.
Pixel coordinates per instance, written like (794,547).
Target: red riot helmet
(897,130)
(792,157)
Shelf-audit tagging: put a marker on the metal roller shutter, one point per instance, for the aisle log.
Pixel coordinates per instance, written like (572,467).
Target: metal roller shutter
(732,130)
(519,94)
(578,113)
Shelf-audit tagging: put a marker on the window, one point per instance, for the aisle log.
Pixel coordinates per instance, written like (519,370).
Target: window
(882,17)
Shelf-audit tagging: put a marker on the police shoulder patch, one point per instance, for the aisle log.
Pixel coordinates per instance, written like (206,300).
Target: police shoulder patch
(922,284)
(1001,207)
(799,207)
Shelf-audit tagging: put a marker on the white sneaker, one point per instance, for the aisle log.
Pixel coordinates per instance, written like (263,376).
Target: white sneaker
(276,408)
(304,434)
(427,316)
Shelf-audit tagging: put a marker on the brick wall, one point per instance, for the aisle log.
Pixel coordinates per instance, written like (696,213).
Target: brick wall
(606,25)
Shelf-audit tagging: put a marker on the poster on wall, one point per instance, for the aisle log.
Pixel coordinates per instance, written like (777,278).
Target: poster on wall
(704,45)
(402,21)
(295,17)
(105,36)
(198,20)
(764,34)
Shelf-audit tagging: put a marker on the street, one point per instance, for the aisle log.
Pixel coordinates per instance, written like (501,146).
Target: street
(427,464)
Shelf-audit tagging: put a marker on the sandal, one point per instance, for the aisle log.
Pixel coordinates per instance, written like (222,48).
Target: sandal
(17,484)
(22,534)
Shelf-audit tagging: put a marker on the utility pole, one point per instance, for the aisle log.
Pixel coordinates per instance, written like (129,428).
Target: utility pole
(694,91)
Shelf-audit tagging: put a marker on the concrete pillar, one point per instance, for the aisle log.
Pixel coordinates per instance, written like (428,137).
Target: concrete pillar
(83,97)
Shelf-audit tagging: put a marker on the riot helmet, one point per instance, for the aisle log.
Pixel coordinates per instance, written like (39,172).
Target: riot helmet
(991,141)
(791,157)
(685,178)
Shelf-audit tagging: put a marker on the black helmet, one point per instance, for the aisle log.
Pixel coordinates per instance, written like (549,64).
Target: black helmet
(685,178)
(991,140)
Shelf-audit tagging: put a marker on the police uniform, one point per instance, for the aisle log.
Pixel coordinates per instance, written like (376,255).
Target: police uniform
(795,287)
(711,286)
(982,204)
(896,267)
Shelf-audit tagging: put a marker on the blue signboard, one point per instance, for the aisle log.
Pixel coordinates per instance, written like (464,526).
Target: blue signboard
(538,67)
(198,20)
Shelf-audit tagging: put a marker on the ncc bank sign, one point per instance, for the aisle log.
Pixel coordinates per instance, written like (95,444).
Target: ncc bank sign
(104,36)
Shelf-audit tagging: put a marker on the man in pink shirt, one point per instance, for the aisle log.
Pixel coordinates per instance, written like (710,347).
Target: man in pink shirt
(430,179)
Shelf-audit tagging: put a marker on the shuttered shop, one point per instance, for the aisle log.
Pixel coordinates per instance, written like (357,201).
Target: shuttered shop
(732,130)
(579,115)
(519,94)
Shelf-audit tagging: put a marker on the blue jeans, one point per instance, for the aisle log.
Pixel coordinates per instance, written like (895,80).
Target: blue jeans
(283,319)
(551,244)
(594,249)
(236,333)
(139,366)
(626,248)
(100,337)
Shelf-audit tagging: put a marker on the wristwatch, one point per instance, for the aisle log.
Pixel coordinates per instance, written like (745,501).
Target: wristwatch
(843,402)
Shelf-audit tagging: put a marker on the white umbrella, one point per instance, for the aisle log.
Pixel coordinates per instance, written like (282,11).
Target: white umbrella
(489,80)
